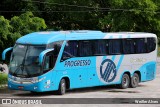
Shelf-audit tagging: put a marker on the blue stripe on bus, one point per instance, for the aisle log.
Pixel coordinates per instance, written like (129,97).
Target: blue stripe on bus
(105,57)
(120,61)
(113,57)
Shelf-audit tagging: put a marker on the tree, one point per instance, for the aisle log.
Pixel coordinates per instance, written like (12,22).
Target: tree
(70,14)
(11,8)
(105,15)
(11,30)
(4,31)
(27,23)
(132,15)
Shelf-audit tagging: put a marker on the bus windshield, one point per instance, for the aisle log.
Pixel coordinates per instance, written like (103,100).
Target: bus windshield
(24,60)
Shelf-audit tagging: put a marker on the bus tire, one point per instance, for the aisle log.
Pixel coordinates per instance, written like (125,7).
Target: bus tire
(125,81)
(62,87)
(134,80)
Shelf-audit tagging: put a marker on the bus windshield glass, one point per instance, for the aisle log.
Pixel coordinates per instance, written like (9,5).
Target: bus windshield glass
(24,60)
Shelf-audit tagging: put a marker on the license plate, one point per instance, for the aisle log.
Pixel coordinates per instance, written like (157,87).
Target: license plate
(21,87)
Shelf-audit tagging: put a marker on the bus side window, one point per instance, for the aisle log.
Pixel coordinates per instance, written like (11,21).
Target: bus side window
(128,46)
(99,47)
(114,47)
(141,45)
(151,44)
(56,45)
(85,48)
(70,50)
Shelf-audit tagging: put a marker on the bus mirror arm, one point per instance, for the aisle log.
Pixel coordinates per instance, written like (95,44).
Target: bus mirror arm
(4,53)
(43,54)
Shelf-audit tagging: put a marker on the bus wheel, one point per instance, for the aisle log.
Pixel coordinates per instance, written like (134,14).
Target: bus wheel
(134,80)
(125,81)
(62,87)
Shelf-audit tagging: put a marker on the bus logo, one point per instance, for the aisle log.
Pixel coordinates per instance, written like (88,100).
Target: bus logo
(109,73)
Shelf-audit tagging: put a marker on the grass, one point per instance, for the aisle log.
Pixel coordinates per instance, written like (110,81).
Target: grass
(159,51)
(3,78)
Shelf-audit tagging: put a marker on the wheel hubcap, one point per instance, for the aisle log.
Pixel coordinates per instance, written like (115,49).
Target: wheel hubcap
(135,80)
(125,82)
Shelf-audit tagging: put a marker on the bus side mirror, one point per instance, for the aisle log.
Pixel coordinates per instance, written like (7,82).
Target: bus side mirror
(7,53)
(43,54)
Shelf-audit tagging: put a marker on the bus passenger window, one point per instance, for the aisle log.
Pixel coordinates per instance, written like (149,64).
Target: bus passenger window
(128,46)
(70,50)
(141,45)
(85,48)
(151,44)
(99,47)
(115,47)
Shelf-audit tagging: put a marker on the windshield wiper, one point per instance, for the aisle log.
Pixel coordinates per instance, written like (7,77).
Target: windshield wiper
(20,75)
(19,66)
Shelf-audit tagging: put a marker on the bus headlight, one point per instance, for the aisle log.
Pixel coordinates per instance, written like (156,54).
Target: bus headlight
(41,79)
(35,79)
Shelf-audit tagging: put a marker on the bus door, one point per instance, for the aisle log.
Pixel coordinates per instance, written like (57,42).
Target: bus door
(73,65)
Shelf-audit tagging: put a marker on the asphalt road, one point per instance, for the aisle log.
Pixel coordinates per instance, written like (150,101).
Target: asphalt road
(150,89)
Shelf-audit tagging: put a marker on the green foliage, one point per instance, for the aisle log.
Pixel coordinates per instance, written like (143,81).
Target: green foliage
(11,30)
(3,78)
(64,17)
(133,15)
(105,15)
(27,23)
(159,51)
(4,30)
(4,27)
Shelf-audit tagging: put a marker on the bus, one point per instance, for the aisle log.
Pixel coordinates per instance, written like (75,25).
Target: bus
(62,60)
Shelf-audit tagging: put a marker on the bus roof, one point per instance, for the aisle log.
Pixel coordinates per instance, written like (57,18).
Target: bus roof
(52,36)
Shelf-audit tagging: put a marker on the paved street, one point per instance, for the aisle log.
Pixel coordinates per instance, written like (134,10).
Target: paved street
(149,89)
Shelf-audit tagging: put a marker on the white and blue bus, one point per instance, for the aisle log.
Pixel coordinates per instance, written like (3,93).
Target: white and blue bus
(61,60)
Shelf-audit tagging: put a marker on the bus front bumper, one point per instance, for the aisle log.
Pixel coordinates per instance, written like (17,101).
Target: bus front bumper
(30,84)
(25,87)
